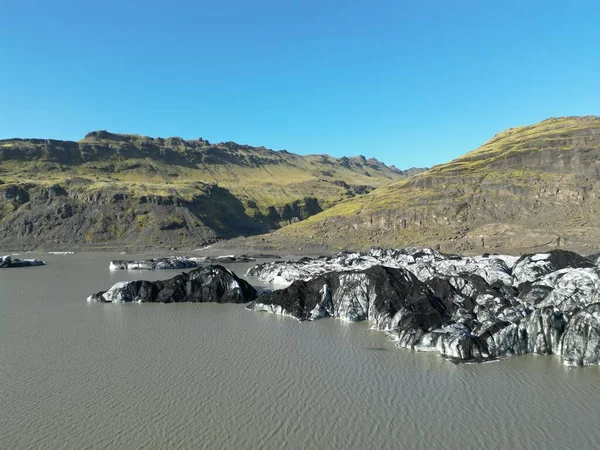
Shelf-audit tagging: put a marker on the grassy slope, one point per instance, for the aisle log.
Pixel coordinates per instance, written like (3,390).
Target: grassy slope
(275,179)
(542,177)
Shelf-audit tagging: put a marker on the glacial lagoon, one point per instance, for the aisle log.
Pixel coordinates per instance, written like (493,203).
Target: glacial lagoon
(77,375)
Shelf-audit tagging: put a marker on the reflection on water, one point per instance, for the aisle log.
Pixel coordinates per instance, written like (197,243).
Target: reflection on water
(79,375)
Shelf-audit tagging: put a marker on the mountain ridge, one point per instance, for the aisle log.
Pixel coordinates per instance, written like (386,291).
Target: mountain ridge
(528,188)
(174,143)
(114,190)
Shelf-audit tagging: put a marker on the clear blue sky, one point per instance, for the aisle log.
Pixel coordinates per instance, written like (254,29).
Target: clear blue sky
(412,83)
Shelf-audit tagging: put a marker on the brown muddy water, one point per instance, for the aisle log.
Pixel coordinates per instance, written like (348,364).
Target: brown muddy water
(76,375)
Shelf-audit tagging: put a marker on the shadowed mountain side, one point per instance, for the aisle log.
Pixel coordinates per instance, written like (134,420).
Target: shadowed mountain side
(529,188)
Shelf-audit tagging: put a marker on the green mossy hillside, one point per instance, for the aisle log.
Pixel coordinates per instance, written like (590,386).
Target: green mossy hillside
(530,187)
(136,190)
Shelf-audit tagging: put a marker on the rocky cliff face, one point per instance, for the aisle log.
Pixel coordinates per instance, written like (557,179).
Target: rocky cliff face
(112,190)
(533,187)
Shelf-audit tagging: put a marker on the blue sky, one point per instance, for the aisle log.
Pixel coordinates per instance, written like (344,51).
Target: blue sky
(412,83)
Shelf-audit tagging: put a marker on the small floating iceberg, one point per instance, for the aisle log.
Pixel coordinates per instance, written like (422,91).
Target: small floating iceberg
(8,261)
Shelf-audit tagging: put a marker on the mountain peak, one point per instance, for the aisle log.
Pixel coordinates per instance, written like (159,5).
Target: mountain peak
(588,118)
(107,135)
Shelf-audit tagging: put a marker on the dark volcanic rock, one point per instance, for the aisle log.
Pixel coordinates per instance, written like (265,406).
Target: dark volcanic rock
(594,258)
(206,284)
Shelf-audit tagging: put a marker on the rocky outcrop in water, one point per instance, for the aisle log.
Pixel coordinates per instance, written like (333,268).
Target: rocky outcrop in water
(170,262)
(375,294)
(423,263)
(175,262)
(211,283)
(8,261)
(467,309)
